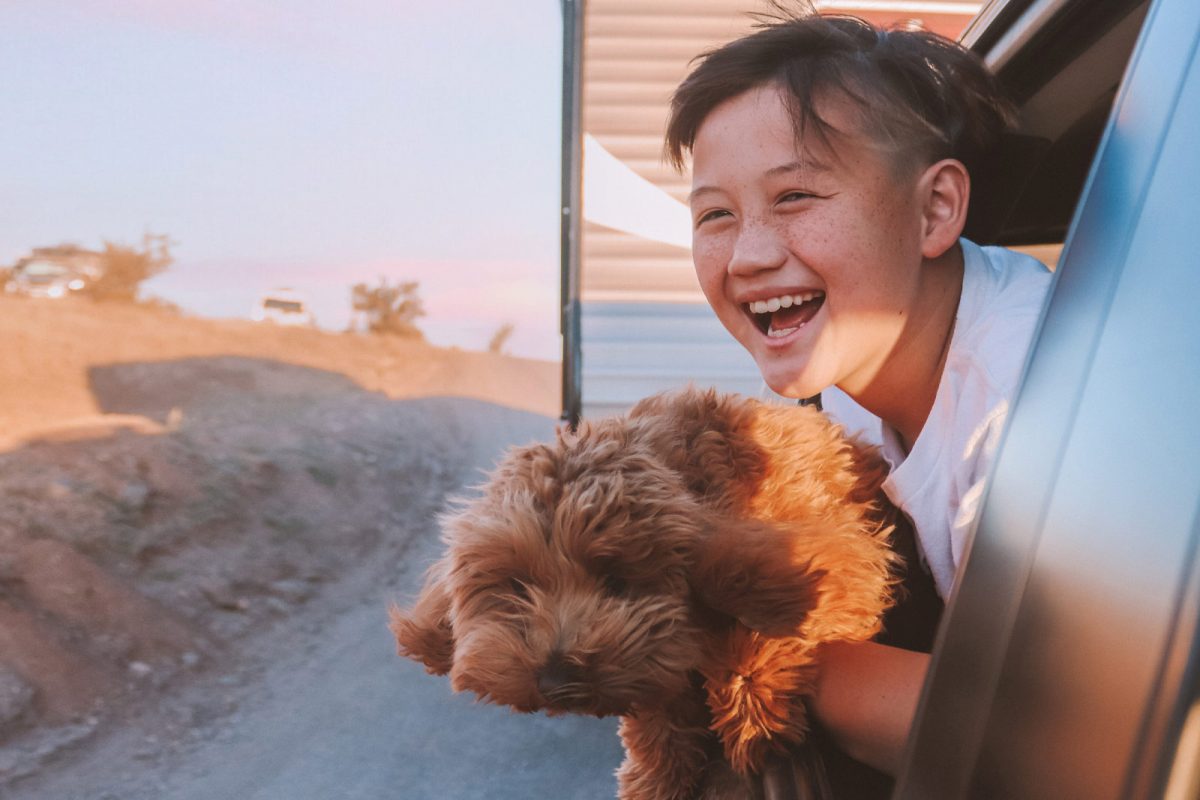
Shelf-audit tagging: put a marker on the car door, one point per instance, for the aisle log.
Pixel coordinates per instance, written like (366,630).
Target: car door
(1066,666)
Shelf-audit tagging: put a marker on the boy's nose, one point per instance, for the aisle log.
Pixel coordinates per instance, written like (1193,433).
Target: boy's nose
(758,248)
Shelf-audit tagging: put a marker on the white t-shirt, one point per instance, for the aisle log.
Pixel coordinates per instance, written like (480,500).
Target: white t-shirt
(939,482)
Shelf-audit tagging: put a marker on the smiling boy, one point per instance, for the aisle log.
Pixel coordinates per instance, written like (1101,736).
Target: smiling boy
(831,168)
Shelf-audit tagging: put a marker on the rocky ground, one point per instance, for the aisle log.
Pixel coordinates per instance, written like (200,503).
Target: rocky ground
(178,494)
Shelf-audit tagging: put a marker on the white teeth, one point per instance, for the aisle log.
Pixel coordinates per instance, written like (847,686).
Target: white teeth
(783,301)
(778,334)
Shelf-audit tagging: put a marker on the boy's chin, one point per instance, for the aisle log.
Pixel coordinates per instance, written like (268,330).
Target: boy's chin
(787,383)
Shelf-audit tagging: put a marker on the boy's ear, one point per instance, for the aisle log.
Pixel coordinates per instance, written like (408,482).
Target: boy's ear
(945,191)
(424,633)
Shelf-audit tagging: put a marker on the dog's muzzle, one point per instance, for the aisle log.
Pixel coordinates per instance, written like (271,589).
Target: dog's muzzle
(558,679)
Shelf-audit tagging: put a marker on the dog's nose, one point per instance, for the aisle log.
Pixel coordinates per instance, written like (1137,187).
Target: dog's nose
(556,673)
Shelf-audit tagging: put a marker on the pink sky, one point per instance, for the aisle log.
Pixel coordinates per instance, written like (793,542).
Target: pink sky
(306,144)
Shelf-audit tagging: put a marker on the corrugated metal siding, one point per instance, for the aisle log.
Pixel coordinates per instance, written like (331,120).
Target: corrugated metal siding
(637,349)
(635,53)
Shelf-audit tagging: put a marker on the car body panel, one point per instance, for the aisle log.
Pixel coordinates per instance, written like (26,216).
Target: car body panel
(1065,660)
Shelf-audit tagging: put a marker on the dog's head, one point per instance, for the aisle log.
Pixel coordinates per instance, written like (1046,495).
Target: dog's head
(584,576)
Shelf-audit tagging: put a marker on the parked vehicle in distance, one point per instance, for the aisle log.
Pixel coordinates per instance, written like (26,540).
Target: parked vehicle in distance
(283,306)
(53,272)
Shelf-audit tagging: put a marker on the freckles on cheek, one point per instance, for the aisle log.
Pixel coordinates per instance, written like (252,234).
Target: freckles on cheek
(707,260)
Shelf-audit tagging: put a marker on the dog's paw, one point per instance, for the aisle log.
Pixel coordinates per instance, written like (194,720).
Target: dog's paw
(423,633)
(667,750)
(430,643)
(756,687)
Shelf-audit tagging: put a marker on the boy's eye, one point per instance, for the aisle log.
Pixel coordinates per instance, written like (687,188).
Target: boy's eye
(792,196)
(711,215)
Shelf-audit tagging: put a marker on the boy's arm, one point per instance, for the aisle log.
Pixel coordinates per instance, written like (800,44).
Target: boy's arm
(866,698)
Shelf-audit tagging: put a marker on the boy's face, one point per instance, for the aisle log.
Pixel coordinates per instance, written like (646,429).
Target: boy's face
(828,238)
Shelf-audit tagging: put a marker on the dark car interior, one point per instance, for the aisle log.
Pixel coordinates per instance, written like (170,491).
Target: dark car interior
(1063,80)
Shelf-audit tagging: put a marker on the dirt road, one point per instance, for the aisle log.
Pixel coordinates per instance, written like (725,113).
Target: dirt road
(202,523)
(321,708)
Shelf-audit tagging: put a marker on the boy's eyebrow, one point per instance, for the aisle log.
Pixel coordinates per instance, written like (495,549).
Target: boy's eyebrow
(800,165)
(700,191)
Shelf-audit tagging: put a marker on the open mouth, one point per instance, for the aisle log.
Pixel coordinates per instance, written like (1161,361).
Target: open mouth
(779,316)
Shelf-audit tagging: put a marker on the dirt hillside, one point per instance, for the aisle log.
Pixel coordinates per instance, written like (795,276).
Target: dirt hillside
(170,485)
(65,359)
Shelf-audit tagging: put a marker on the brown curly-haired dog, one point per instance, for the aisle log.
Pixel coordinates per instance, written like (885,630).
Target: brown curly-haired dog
(676,567)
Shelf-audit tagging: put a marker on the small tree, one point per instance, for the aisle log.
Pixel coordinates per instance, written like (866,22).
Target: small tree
(389,309)
(499,342)
(124,268)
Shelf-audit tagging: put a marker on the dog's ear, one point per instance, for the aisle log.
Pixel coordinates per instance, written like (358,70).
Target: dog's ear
(824,582)
(750,570)
(424,632)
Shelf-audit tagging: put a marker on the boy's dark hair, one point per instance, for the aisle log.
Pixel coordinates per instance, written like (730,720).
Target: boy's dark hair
(919,95)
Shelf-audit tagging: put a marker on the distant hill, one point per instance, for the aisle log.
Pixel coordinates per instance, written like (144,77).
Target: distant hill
(48,347)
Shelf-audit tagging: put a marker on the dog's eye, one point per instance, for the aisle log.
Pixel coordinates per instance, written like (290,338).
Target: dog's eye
(518,588)
(615,585)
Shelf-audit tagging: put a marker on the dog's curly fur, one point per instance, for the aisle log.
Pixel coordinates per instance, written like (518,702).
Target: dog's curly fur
(676,567)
